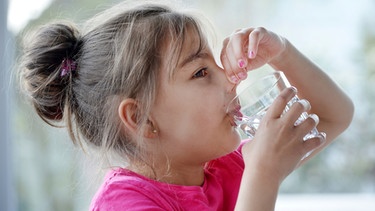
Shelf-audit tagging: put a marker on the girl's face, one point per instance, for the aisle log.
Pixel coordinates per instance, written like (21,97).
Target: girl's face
(190,110)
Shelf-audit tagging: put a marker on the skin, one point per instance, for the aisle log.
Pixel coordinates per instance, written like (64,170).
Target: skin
(277,147)
(190,114)
(192,126)
(190,117)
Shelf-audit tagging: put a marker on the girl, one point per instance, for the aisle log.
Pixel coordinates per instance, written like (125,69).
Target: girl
(140,82)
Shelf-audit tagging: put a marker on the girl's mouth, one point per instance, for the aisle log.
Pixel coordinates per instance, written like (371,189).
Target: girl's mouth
(232,122)
(235,113)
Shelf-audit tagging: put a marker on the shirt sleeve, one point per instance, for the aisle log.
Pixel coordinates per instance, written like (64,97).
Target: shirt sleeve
(124,200)
(117,196)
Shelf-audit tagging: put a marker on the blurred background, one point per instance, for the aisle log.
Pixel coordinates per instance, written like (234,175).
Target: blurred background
(41,170)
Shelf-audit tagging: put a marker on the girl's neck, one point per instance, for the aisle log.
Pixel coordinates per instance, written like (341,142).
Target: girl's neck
(182,175)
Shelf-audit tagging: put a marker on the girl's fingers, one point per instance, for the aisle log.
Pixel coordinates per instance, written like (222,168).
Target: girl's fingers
(296,109)
(311,144)
(308,124)
(231,75)
(235,53)
(237,46)
(248,49)
(278,106)
(254,39)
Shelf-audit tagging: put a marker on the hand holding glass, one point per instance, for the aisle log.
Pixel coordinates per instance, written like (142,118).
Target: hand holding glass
(251,104)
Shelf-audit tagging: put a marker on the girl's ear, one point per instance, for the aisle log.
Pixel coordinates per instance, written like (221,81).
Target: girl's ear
(127,111)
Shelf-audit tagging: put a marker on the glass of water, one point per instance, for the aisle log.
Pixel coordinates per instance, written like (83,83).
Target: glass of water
(251,104)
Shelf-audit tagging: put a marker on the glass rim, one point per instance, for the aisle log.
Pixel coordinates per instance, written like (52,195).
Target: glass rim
(275,74)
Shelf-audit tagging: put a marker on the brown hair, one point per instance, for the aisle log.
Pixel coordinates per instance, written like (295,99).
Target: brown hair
(118,56)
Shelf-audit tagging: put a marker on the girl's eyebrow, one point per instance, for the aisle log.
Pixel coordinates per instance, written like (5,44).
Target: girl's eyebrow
(192,57)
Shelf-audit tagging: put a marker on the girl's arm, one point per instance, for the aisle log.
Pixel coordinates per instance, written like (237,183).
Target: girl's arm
(328,101)
(278,145)
(250,48)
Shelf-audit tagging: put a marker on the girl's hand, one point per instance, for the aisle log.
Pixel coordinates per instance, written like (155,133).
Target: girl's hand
(248,49)
(278,146)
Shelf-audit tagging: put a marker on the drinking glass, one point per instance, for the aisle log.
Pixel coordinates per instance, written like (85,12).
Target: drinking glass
(250,105)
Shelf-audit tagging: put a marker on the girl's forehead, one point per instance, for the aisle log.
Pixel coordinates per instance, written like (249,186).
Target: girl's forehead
(192,45)
(182,49)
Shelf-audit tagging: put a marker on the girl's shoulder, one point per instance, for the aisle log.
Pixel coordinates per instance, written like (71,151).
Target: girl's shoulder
(232,161)
(123,189)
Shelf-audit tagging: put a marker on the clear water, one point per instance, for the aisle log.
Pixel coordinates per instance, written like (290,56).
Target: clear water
(253,114)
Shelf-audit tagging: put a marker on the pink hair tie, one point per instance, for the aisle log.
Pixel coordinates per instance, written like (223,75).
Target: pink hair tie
(67,67)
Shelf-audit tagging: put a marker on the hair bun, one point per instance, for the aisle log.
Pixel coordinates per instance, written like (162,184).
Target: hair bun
(43,60)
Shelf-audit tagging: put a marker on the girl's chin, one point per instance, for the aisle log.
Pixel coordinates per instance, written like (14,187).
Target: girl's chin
(232,123)
(235,140)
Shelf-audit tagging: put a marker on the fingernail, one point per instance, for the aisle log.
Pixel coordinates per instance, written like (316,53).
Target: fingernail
(234,79)
(315,118)
(251,54)
(323,136)
(305,104)
(242,75)
(241,63)
(294,89)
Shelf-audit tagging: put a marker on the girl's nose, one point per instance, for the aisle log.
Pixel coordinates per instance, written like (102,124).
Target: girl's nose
(229,86)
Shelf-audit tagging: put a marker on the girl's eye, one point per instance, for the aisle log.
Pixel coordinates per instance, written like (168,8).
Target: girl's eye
(201,73)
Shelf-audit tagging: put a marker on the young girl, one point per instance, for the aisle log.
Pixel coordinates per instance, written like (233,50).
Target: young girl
(140,82)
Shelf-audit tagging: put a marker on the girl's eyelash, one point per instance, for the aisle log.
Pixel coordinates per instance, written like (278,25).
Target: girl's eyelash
(201,73)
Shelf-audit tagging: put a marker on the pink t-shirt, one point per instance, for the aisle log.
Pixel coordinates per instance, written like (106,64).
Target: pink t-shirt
(126,190)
